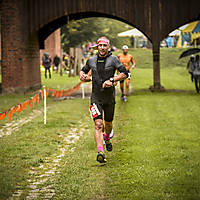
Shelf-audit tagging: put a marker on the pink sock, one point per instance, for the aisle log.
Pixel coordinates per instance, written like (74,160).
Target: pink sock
(100,149)
(107,136)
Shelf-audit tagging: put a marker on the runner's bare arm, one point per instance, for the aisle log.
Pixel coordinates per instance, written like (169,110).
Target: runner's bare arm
(84,77)
(119,77)
(85,73)
(133,62)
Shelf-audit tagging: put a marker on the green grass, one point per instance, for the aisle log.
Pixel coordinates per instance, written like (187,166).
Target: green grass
(155,156)
(34,142)
(156,147)
(60,82)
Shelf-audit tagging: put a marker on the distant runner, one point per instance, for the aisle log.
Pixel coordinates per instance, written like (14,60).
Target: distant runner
(126,59)
(103,67)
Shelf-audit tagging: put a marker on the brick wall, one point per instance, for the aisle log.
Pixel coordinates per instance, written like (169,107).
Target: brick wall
(20,50)
(52,45)
(0,46)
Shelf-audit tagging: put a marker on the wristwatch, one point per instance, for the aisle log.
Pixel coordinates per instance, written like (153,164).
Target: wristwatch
(112,80)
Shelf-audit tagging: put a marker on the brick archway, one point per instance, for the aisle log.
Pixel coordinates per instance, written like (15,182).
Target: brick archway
(26,23)
(48,29)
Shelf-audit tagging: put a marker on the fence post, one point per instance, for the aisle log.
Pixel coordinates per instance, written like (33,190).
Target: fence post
(83,91)
(45,105)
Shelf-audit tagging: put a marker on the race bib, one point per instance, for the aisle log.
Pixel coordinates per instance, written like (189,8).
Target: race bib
(94,111)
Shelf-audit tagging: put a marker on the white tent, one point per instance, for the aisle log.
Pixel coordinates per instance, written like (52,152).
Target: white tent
(177,32)
(133,32)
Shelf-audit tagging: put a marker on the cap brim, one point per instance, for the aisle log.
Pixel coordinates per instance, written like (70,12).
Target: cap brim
(95,47)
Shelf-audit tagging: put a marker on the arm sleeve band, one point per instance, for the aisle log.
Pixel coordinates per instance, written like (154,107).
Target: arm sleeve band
(86,68)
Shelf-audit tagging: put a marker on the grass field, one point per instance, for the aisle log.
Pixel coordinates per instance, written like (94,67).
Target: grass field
(156,146)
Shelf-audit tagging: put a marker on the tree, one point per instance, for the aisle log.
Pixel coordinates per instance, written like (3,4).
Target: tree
(80,32)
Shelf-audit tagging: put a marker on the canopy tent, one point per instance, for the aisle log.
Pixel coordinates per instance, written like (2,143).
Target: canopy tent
(193,29)
(178,40)
(183,40)
(137,38)
(133,32)
(177,32)
(187,34)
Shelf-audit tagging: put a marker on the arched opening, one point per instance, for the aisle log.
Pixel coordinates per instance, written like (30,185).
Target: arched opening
(46,30)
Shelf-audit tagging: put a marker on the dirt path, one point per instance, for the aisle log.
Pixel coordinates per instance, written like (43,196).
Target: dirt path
(40,185)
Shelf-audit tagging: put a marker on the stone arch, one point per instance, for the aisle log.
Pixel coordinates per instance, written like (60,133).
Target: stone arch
(49,28)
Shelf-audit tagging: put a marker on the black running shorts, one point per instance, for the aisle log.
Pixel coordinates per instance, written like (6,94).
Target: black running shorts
(106,110)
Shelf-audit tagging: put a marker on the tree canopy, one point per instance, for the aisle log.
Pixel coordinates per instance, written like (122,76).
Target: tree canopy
(80,32)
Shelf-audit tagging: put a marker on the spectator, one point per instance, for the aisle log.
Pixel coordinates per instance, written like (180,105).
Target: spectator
(132,40)
(46,60)
(66,60)
(190,67)
(196,73)
(56,62)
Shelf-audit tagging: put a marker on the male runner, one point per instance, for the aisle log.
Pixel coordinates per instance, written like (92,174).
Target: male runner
(103,67)
(125,59)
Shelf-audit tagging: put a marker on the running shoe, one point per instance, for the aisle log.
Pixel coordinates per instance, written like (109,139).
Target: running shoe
(111,134)
(125,99)
(101,157)
(108,145)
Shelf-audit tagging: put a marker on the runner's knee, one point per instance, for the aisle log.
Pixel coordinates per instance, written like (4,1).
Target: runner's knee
(98,124)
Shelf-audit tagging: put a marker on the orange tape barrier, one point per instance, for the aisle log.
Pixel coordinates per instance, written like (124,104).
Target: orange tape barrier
(36,99)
